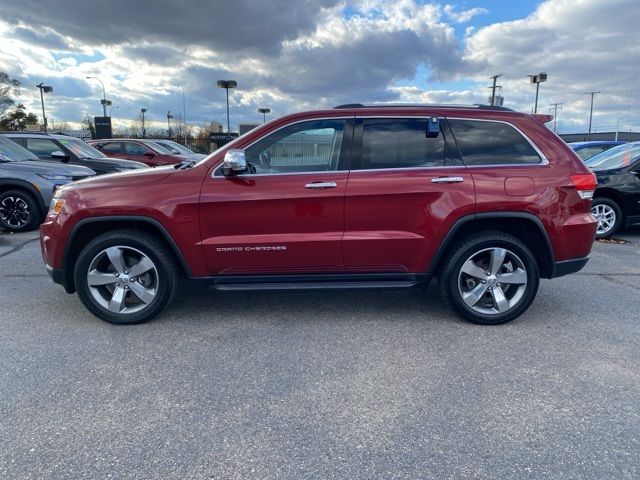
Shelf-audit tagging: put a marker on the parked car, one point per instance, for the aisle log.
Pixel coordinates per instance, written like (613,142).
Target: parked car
(487,199)
(586,150)
(616,202)
(66,149)
(27,184)
(140,150)
(179,149)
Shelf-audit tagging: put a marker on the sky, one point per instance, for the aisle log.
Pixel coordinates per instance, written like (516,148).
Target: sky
(298,55)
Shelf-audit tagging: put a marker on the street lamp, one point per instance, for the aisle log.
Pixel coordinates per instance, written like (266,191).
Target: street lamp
(227,84)
(537,79)
(264,112)
(143,111)
(104,100)
(44,89)
(169,117)
(111,110)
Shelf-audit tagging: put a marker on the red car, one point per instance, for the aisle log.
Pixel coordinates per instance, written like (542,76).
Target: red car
(140,150)
(487,199)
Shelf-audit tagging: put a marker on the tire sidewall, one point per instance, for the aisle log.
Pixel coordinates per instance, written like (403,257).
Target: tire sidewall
(166,278)
(473,247)
(616,209)
(34,211)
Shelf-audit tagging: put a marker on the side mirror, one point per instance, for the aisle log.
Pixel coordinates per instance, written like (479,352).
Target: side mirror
(433,127)
(58,155)
(234,162)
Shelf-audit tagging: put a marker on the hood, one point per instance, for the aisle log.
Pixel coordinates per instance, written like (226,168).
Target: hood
(147,175)
(47,168)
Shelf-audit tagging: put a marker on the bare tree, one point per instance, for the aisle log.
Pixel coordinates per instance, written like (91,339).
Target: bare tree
(9,87)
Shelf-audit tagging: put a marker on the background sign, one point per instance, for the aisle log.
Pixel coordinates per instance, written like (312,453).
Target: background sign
(103,127)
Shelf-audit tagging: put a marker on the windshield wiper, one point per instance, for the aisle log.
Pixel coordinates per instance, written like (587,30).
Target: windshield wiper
(186,163)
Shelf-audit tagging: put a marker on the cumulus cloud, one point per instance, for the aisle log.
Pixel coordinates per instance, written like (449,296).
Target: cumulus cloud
(465,15)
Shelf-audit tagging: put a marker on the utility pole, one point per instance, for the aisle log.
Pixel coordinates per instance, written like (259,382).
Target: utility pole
(590,112)
(492,100)
(556,107)
(144,130)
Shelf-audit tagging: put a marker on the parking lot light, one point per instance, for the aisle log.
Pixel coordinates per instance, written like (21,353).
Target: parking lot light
(227,84)
(264,112)
(537,79)
(44,89)
(104,100)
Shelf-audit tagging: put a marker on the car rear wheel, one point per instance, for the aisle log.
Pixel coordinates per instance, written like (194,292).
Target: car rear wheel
(19,211)
(608,215)
(126,277)
(490,279)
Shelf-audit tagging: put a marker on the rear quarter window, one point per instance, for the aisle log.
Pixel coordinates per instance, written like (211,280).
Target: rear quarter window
(492,143)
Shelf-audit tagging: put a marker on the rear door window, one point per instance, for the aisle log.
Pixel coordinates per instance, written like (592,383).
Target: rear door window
(389,143)
(111,147)
(492,143)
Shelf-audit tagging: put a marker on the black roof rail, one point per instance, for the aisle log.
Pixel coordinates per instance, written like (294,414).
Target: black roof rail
(422,105)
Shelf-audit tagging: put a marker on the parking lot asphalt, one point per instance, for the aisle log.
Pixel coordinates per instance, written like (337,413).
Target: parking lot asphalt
(349,385)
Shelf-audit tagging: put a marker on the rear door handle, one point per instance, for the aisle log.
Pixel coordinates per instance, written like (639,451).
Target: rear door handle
(447,180)
(321,185)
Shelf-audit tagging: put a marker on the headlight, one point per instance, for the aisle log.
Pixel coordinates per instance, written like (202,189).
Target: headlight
(56,205)
(57,177)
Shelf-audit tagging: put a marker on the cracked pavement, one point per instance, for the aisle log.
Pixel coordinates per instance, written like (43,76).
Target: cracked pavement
(353,385)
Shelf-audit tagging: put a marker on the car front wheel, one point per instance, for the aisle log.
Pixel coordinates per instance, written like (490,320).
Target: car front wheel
(18,211)
(125,277)
(490,279)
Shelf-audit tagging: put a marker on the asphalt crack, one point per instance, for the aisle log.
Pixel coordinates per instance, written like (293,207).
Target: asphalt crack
(18,247)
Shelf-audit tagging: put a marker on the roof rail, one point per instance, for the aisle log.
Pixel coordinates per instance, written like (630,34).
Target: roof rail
(29,132)
(422,105)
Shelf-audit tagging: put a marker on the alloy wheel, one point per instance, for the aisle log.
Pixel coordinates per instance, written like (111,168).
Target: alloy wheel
(492,281)
(606,217)
(14,212)
(122,279)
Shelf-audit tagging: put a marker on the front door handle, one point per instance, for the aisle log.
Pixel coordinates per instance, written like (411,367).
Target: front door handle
(447,180)
(321,185)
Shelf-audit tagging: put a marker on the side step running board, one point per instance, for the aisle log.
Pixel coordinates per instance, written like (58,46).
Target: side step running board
(232,286)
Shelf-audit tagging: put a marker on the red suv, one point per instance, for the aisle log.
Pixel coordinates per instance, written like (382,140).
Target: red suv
(487,199)
(140,150)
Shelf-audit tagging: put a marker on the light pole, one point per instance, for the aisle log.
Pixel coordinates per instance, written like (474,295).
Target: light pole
(111,110)
(264,112)
(144,132)
(44,89)
(590,112)
(184,117)
(537,79)
(104,100)
(169,117)
(227,84)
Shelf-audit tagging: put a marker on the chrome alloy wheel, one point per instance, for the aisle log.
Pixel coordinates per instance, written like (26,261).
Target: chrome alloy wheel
(492,281)
(122,279)
(14,211)
(606,217)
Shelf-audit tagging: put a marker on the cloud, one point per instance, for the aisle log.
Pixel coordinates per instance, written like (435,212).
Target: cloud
(465,15)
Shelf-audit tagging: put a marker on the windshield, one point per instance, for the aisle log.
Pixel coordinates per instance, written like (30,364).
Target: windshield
(618,157)
(81,149)
(171,145)
(10,151)
(159,148)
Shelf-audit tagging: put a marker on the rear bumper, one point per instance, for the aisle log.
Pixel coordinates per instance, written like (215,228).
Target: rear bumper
(565,267)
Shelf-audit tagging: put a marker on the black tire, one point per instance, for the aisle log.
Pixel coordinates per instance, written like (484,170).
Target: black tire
(614,208)
(162,280)
(19,211)
(453,282)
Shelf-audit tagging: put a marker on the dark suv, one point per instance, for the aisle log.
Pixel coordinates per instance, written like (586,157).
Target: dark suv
(66,149)
(487,199)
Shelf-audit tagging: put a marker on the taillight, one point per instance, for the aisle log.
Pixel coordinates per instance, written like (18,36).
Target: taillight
(585,184)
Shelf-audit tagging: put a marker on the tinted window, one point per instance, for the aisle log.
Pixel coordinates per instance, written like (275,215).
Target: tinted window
(588,152)
(113,147)
(132,148)
(42,147)
(492,143)
(400,143)
(303,147)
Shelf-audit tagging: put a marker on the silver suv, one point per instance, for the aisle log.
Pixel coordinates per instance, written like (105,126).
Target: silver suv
(27,184)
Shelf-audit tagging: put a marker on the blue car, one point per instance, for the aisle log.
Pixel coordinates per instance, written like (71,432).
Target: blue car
(586,150)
